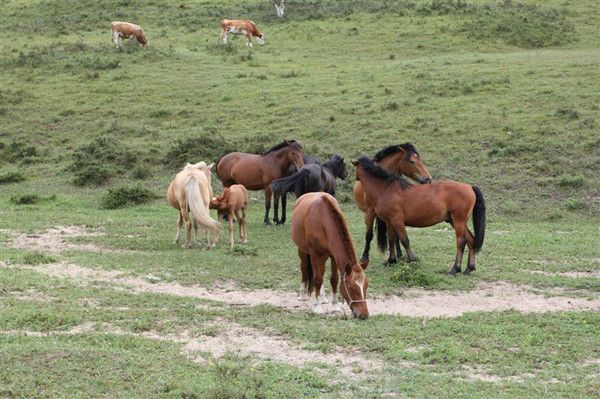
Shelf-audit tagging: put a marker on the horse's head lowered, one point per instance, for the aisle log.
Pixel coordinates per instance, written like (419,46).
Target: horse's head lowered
(404,159)
(353,288)
(337,166)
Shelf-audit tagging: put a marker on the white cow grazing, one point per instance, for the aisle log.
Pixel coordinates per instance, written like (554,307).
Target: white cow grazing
(241,27)
(128,30)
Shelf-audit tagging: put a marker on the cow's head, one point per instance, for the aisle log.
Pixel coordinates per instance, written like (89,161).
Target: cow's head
(142,39)
(260,39)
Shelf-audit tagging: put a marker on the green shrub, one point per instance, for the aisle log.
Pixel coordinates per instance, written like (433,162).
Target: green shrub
(37,258)
(11,177)
(124,196)
(25,199)
(414,276)
(574,204)
(570,181)
(96,162)
(18,151)
(194,149)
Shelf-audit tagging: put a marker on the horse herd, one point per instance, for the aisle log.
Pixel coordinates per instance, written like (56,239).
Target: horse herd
(318,226)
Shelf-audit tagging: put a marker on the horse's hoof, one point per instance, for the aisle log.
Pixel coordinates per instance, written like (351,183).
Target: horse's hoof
(468,271)
(452,274)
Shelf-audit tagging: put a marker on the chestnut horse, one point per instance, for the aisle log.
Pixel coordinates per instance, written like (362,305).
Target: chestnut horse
(400,204)
(256,172)
(397,159)
(191,192)
(321,232)
(233,201)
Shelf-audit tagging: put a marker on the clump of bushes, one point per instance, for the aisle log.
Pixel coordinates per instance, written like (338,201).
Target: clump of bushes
(37,258)
(11,177)
(200,148)
(98,161)
(126,195)
(411,276)
(18,151)
(30,199)
(565,180)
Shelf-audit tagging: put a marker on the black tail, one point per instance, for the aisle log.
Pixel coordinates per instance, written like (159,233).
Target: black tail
(382,240)
(309,283)
(478,219)
(296,183)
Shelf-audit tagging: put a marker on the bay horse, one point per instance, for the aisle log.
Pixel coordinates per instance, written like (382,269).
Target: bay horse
(320,232)
(233,201)
(400,204)
(400,159)
(190,193)
(256,172)
(313,177)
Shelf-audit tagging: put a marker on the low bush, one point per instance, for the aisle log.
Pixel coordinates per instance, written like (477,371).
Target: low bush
(37,258)
(25,199)
(11,177)
(126,195)
(18,151)
(565,180)
(194,149)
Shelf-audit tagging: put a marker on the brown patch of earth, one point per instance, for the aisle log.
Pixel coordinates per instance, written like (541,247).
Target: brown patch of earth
(55,240)
(487,296)
(480,373)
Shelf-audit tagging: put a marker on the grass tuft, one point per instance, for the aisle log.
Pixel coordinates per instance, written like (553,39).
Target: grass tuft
(11,177)
(414,276)
(125,196)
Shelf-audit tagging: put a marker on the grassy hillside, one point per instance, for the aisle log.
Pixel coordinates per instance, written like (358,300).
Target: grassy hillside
(502,94)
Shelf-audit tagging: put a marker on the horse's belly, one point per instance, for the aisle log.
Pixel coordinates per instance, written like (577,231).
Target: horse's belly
(425,220)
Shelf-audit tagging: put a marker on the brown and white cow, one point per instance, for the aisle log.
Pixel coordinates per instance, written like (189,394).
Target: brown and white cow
(128,30)
(241,27)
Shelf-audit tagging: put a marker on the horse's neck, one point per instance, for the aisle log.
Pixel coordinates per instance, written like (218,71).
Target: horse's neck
(390,163)
(372,186)
(279,157)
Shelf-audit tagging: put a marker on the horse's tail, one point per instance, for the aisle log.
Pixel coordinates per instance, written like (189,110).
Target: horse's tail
(382,240)
(309,283)
(198,208)
(298,183)
(478,219)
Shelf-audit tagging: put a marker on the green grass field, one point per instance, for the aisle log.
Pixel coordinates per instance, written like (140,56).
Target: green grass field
(501,94)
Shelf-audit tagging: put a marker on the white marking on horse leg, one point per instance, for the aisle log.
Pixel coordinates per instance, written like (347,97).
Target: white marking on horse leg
(116,38)
(322,295)
(317,308)
(302,293)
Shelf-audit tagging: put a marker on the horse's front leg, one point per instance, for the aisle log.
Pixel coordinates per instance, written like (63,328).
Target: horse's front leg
(283,204)
(369,219)
(401,231)
(334,281)
(266,220)
(230,226)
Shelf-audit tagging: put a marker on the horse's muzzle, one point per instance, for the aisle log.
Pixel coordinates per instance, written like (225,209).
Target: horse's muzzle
(425,180)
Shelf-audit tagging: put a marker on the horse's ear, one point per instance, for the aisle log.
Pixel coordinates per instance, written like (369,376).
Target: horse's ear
(354,162)
(364,263)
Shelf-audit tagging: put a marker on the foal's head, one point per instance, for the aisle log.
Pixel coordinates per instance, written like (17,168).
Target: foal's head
(353,288)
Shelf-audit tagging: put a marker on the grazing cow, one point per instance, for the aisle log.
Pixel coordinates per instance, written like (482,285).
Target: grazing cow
(241,27)
(128,30)
(233,201)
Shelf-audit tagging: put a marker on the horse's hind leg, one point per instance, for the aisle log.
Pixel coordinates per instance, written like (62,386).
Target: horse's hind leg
(461,241)
(471,260)
(245,224)
(179,225)
(303,293)
(283,205)
(392,241)
(230,227)
(318,268)
(276,197)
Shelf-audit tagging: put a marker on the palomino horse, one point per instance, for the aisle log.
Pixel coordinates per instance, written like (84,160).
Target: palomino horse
(234,201)
(313,177)
(191,192)
(402,159)
(400,204)
(321,232)
(256,172)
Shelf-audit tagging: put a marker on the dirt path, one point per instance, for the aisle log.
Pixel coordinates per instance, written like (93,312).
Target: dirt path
(487,296)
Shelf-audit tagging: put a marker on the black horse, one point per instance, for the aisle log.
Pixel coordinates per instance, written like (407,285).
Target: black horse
(313,178)
(308,159)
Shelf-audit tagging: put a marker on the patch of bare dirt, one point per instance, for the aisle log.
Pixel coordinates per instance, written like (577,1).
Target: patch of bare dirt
(487,296)
(594,274)
(480,373)
(32,295)
(56,240)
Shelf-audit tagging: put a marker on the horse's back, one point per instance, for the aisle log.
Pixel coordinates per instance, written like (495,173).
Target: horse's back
(241,168)
(310,214)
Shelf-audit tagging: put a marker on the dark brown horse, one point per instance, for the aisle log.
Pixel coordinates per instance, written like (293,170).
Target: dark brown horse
(320,233)
(256,172)
(402,159)
(400,204)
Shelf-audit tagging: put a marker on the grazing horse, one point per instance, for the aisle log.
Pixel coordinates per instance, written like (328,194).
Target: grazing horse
(400,204)
(191,192)
(128,30)
(241,27)
(313,178)
(397,159)
(291,170)
(233,201)
(321,232)
(256,172)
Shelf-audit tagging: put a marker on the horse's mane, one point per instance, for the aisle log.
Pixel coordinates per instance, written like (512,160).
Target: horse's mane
(386,152)
(342,227)
(284,143)
(377,171)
